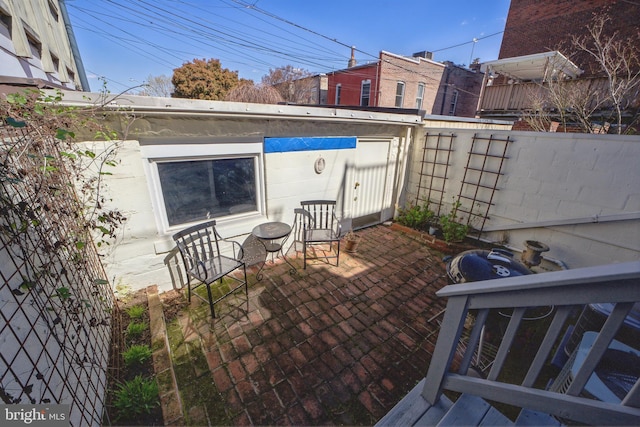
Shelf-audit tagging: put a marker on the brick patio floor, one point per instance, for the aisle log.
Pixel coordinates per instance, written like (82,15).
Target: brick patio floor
(325,346)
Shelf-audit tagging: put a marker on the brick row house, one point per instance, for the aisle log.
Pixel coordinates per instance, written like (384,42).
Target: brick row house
(416,82)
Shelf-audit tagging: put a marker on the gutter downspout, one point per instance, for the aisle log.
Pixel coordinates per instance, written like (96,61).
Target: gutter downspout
(74,48)
(378,73)
(444,90)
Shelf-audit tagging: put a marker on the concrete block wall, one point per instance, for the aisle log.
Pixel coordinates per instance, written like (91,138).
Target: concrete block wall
(290,178)
(577,193)
(139,256)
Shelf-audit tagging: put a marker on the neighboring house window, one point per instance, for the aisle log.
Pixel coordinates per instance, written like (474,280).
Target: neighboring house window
(5,25)
(454,103)
(338,93)
(35,46)
(399,94)
(56,63)
(365,93)
(195,190)
(53,10)
(419,96)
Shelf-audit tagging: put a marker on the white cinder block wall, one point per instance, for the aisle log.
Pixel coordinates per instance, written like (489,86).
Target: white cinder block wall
(139,256)
(577,193)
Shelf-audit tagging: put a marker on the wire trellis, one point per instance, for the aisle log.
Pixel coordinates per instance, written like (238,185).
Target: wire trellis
(55,302)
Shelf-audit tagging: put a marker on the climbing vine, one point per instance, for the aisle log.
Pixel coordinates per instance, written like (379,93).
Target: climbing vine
(54,220)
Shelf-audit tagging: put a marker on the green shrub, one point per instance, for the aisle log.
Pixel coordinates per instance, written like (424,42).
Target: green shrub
(136,355)
(135,329)
(136,311)
(136,397)
(453,231)
(417,217)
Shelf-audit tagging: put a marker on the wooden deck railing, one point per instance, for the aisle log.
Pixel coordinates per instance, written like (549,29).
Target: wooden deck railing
(520,95)
(566,291)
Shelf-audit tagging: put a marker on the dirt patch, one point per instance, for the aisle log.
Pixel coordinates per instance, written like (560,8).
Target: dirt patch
(173,303)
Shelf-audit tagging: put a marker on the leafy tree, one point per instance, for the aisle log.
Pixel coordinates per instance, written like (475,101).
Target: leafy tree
(260,94)
(293,83)
(157,86)
(204,79)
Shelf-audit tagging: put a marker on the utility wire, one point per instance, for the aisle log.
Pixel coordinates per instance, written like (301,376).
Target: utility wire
(188,24)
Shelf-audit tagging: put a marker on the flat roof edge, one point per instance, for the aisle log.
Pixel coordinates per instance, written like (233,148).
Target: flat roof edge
(158,105)
(439,118)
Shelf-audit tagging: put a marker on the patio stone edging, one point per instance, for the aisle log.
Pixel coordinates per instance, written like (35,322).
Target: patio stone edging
(165,376)
(432,241)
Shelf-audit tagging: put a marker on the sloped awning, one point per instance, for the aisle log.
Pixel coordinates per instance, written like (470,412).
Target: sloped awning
(539,66)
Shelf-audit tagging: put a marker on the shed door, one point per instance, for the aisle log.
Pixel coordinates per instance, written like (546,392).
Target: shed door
(372,178)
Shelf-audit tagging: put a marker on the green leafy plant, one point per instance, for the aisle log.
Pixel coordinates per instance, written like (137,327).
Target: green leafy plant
(136,311)
(135,329)
(136,355)
(452,230)
(136,397)
(417,217)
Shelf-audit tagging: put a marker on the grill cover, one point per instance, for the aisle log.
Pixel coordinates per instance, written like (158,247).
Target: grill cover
(477,265)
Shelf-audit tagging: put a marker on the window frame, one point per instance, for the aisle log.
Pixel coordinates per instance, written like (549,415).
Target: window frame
(420,95)
(338,93)
(154,152)
(368,97)
(400,87)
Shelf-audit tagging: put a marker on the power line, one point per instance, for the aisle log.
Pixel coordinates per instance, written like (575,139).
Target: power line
(193,27)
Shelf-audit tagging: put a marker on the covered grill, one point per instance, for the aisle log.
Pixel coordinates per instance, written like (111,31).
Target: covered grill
(478,264)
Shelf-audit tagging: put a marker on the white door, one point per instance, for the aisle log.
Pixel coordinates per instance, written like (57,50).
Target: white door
(372,179)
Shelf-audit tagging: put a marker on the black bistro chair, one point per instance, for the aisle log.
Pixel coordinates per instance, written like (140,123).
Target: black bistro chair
(208,258)
(320,226)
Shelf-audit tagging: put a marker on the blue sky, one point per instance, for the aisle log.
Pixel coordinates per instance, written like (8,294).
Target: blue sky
(126,41)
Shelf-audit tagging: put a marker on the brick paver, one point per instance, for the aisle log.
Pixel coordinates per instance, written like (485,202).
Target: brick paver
(328,345)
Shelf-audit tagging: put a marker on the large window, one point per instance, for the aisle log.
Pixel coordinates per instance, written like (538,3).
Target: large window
(196,190)
(419,95)
(399,94)
(338,93)
(365,93)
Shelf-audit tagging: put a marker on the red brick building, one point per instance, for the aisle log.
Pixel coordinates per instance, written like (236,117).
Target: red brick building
(417,82)
(537,48)
(535,26)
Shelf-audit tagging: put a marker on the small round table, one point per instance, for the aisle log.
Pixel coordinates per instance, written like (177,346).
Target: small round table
(273,235)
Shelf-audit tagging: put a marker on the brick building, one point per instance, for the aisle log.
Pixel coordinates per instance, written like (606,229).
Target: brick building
(416,82)
(537,52)
(535,26)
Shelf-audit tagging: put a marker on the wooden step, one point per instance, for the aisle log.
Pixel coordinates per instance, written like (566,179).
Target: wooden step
(414,410)
(471,410)
(528,417)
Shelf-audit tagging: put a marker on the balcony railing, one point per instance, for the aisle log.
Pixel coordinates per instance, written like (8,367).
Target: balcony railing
(519,96)
(565,293)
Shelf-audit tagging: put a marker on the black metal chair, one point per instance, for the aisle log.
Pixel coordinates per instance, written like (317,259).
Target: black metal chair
(320,226)
(207,258)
